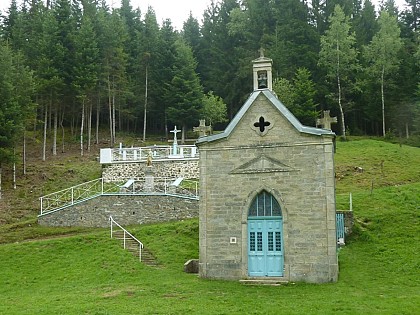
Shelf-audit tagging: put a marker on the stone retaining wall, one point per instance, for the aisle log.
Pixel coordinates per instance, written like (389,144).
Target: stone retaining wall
(126,210)
(187,169)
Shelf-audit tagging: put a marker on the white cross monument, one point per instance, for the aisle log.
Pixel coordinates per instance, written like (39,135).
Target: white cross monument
(175,144)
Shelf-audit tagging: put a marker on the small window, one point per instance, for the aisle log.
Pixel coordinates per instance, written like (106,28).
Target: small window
(264,205)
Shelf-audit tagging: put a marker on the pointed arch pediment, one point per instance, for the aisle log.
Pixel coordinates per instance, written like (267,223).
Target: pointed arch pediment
(281,109)
(263,164)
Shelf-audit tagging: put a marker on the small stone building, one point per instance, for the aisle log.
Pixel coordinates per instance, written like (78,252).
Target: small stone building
(267,194)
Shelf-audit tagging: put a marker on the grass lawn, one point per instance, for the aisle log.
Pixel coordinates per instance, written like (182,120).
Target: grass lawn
(91,274)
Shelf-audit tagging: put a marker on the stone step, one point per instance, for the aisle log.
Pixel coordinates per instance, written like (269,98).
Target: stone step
(148,258)
(264,281)
(133,247)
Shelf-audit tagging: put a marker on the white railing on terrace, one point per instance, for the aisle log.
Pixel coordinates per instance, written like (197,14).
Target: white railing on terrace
(127,236)
(140,154)
(98,187)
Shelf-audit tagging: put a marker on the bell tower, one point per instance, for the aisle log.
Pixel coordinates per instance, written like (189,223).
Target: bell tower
(262,72)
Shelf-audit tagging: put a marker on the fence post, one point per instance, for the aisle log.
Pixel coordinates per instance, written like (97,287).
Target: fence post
(351,202)
(72,195)
(140,252)
(41,204)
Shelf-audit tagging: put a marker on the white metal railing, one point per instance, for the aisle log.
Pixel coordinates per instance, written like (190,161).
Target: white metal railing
(140,154)
(72,195)
(98,187)
(126,235)
(162,185)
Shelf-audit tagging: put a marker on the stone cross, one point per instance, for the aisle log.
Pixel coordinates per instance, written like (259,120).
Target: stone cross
(326,121)
(202,129)
(175,144)
(261,50)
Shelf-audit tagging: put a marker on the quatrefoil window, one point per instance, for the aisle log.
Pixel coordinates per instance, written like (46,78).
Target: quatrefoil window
(262,125)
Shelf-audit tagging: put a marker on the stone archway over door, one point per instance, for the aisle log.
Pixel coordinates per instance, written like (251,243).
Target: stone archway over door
(265,237)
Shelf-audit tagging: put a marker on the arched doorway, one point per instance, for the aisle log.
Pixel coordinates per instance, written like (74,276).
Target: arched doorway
(265,237)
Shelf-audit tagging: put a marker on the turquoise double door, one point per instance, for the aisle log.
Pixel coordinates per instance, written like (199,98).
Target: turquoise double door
(265,247)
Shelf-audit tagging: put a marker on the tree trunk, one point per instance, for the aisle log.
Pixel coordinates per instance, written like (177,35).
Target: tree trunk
(383,101)
(44,146)
(0,180)
(145,107)
(62,132)
(82,126)
(14,175)
(113,117)
(110,112)
(24,152)
(55,131)
(89,125)
(343,125)
(98,109)
(14,168)
(184,127)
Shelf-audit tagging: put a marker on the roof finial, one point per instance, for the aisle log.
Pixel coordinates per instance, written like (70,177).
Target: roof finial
(261,50)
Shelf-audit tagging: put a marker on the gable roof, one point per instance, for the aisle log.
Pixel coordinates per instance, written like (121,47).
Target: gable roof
(280,107)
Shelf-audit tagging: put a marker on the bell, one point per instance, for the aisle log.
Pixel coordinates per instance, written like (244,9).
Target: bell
(262,80)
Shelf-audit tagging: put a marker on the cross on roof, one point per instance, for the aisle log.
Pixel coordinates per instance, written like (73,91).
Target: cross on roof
(326,121)
(202,128)
(261,50)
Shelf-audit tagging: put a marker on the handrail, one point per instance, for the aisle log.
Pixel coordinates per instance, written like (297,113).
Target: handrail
(99,187)
(141,246)
(140,154)
(72,195)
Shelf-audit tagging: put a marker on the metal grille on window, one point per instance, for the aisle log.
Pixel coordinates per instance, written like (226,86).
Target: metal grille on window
(270,241)
(259,241)
(252,241)
(278,242)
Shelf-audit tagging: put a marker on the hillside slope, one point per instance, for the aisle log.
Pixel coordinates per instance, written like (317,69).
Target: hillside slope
(90,274)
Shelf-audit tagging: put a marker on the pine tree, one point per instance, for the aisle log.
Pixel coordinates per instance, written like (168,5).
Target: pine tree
(365,24)
(185,88)
(85,71)
(191,33)
(16,90)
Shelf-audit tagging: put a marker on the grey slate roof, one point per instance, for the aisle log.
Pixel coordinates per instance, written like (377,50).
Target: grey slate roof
(280,107)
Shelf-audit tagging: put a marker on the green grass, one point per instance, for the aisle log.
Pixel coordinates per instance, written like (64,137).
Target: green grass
(383,164)
(91,274)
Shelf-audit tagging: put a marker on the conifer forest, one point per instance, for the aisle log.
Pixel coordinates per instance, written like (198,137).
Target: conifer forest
(80,67)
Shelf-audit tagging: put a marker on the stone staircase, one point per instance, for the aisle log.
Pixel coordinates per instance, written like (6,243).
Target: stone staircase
(134,246)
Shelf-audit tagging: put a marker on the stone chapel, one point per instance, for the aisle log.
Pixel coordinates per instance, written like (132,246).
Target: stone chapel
(267,194)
